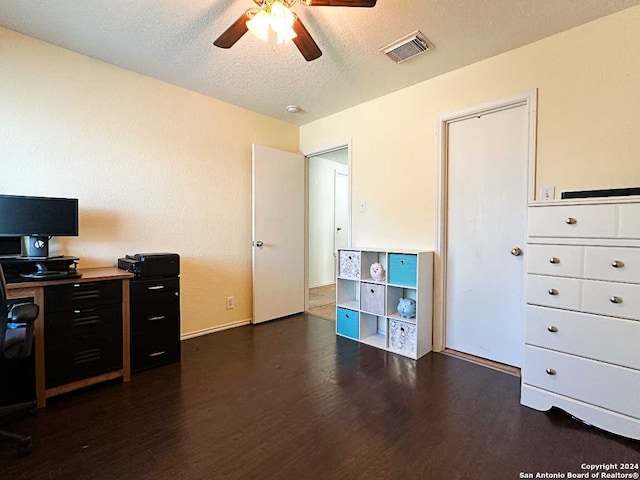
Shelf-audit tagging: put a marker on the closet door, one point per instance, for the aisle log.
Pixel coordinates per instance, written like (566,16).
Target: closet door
(487,197)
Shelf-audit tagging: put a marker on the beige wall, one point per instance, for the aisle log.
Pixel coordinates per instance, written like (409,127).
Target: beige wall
(588,82)
(155,167)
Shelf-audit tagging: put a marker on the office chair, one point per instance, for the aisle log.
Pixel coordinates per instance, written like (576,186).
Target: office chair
(16,340)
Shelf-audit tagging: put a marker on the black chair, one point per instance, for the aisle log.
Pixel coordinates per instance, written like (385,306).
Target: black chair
(16,340)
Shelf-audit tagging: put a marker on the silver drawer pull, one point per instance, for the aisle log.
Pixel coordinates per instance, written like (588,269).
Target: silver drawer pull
(550,371)
(571,221)
(552,329)
(617,264)
(346,315)
(553,291)
(157,287)
(554,260)
(153,319)
(615,299)
(157,354)
(373,291)
(76,285)
(402,262)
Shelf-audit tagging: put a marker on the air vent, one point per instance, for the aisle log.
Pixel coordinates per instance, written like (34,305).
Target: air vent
(407,47)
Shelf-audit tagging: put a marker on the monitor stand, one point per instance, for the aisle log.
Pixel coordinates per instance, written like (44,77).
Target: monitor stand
(37,247)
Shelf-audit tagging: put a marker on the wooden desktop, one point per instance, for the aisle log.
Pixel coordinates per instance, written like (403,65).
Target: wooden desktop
(36,290)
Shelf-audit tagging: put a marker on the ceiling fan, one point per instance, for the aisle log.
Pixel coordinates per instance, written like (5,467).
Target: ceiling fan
(276,16)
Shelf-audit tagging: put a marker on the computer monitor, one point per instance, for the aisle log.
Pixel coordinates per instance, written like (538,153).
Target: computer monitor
(37,219)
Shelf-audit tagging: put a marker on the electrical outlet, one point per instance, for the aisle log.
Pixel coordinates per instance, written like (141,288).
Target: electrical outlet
(363,206)
(547,194)
(231,303)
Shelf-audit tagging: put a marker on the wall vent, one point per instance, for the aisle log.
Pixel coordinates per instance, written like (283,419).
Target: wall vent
(407,47)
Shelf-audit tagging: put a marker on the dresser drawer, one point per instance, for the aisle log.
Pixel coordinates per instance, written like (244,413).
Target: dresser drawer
(80,296)
(612,263)
(587,221)
(157,288)
(349,264)
(167,320)
(149,351)
(60,326)
(629,224)
(143,308)
(372,298)
(402,269)
(585,335)
(608,298)
(553,291)
(347,323)
(83,356)
(558,260)
(607,386)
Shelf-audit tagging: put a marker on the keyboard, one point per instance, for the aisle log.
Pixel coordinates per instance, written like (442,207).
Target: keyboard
(51,274)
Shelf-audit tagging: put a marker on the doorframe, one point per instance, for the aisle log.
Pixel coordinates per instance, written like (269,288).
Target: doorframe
(529,100)
(313,153)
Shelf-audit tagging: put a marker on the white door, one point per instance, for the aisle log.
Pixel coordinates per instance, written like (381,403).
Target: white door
(278,233)
(487,197)
(341,212)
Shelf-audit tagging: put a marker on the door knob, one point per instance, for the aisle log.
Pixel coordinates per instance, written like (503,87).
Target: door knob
(259,243)
(516,251)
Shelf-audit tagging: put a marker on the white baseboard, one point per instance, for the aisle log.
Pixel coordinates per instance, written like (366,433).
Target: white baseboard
(217,328)
(322,284)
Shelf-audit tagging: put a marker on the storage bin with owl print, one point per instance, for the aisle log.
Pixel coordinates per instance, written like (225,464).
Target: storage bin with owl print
(402,337)
(407,280)
(349,264)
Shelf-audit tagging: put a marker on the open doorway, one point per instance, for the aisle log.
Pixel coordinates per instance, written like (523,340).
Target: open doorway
(329,226)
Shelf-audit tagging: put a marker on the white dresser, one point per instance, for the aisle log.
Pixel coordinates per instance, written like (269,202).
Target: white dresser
(582,339)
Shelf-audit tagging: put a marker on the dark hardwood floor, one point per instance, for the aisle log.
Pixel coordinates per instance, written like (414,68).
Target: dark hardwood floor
(290,400)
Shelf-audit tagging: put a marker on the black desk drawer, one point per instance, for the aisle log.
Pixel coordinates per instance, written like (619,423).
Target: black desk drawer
(151,351)
(60,326)
(157,322)
(154,288)
(79,296)
(83,356)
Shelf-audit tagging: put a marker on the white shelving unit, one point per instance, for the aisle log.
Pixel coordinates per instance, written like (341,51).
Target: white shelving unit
(366,309)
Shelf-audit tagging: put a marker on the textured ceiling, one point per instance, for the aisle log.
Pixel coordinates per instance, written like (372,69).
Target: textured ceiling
(172,40)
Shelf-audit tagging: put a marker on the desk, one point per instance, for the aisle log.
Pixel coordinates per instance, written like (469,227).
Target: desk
(36,290)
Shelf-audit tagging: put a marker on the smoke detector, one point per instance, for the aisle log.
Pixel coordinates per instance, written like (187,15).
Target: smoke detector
(293,109)
(407,47)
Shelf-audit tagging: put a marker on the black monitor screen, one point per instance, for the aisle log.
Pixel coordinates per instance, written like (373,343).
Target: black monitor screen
(38,216)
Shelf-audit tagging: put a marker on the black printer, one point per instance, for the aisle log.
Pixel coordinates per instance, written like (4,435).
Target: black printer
(151,264)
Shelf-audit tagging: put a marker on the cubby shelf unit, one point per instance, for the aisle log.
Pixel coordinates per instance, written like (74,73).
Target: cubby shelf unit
(366,309)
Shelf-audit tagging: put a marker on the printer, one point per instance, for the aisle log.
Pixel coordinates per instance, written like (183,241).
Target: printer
(151,264)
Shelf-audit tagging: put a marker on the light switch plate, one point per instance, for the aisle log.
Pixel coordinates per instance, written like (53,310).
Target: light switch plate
(363,206)
(547,194)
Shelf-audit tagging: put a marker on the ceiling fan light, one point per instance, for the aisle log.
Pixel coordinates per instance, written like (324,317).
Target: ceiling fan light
(285,35)
(259,25)
(281,17)
(282,20)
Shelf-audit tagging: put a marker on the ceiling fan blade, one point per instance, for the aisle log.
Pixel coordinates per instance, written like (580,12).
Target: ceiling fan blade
(307,45)
(340,3)
(234,33)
